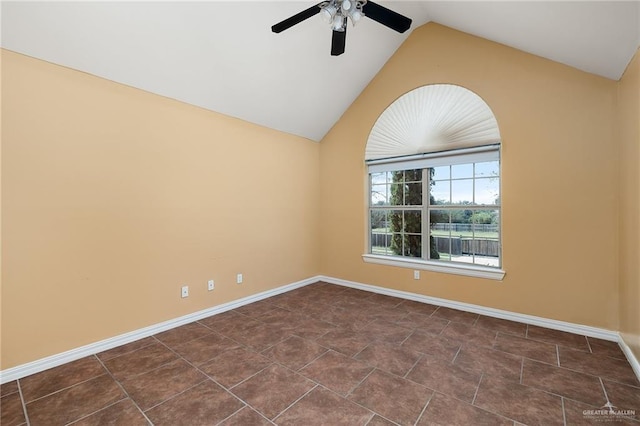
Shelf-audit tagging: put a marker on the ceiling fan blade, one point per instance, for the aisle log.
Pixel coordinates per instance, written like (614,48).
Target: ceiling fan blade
(386,17)
(296,19)
(338,42)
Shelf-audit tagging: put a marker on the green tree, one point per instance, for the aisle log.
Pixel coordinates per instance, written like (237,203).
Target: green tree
(481,217)
(406,190)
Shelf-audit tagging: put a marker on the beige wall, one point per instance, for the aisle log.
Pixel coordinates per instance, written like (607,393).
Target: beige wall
(113,198)
(628,128)
(559,178)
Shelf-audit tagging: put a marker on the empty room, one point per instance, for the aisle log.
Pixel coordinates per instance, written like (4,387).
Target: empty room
(337,213)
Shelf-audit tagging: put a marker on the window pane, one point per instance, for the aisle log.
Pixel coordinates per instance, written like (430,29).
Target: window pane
(440,234)
(380,243)
(380,236)
(379,221)
(462,235)
(395,221)
(396,197)
(487,191)
(488,169)
(377,178)
(413,194)
(413,221)
(379,196)
(396,246)
(462,191)
(413,245)
(397,177)
(440,173)
(413,175)
(461,171)
(440,193)
(464,226)
(486,243)
(461,222)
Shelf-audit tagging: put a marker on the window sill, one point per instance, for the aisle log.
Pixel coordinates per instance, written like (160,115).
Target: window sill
(426,265)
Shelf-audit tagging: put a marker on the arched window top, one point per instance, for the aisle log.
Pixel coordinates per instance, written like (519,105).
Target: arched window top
(437,117)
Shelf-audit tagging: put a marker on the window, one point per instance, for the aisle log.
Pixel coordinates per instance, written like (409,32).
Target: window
(437,211)
(433,158)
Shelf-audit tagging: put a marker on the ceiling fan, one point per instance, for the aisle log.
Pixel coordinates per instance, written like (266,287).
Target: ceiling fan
(338,12)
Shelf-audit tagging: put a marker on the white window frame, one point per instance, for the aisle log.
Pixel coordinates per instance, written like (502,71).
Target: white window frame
(425,161)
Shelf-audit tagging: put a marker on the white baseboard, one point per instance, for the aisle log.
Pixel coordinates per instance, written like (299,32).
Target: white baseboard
(490,312)
(569,327)
(42,364)
(635,364)
(37,366)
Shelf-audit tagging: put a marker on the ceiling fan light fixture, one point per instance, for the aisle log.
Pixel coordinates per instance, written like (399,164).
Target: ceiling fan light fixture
(328,13)
(339,22)
(334,12)
(338,12)
(355,16)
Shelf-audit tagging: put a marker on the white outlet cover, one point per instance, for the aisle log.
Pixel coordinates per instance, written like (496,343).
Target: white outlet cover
(239,278)
(185,291)
(210,285)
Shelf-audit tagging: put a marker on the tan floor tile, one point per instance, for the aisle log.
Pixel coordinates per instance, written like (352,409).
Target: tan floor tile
(259,390)
(156,386)
(183,334)
(204,404)
(11,411)
(447,411)
(394,359)
(126,348)
(75,402)
(41,384)
(246,417)
(481,359)
(123,413)
(392,397)
(469,334)
(539,351)
(337,372)
(8,388)
(446,378)
(200,351)
(234,366)
(294,352)
(624,397)
(502,325)
(322,407)
(567,383)
(606,367)
(522,403)
(141,361)
(606,348)
(558,337)
(580,414)
(432,345)
(455,315)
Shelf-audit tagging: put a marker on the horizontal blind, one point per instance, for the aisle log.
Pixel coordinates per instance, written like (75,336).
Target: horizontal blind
(434,159)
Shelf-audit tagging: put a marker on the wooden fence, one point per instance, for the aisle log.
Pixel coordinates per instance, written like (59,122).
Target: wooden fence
(459,245)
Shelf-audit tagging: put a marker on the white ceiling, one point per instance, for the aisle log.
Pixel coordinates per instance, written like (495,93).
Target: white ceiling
(222,56)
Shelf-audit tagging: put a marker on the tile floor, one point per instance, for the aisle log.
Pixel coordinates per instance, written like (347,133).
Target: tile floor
(330,355)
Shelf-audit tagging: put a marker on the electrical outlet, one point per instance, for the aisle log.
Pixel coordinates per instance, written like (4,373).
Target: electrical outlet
(210,285)
(185,291)
(416,275)
(239,279)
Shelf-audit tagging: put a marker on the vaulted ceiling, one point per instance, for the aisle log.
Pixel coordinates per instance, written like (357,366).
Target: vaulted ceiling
(222,56)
